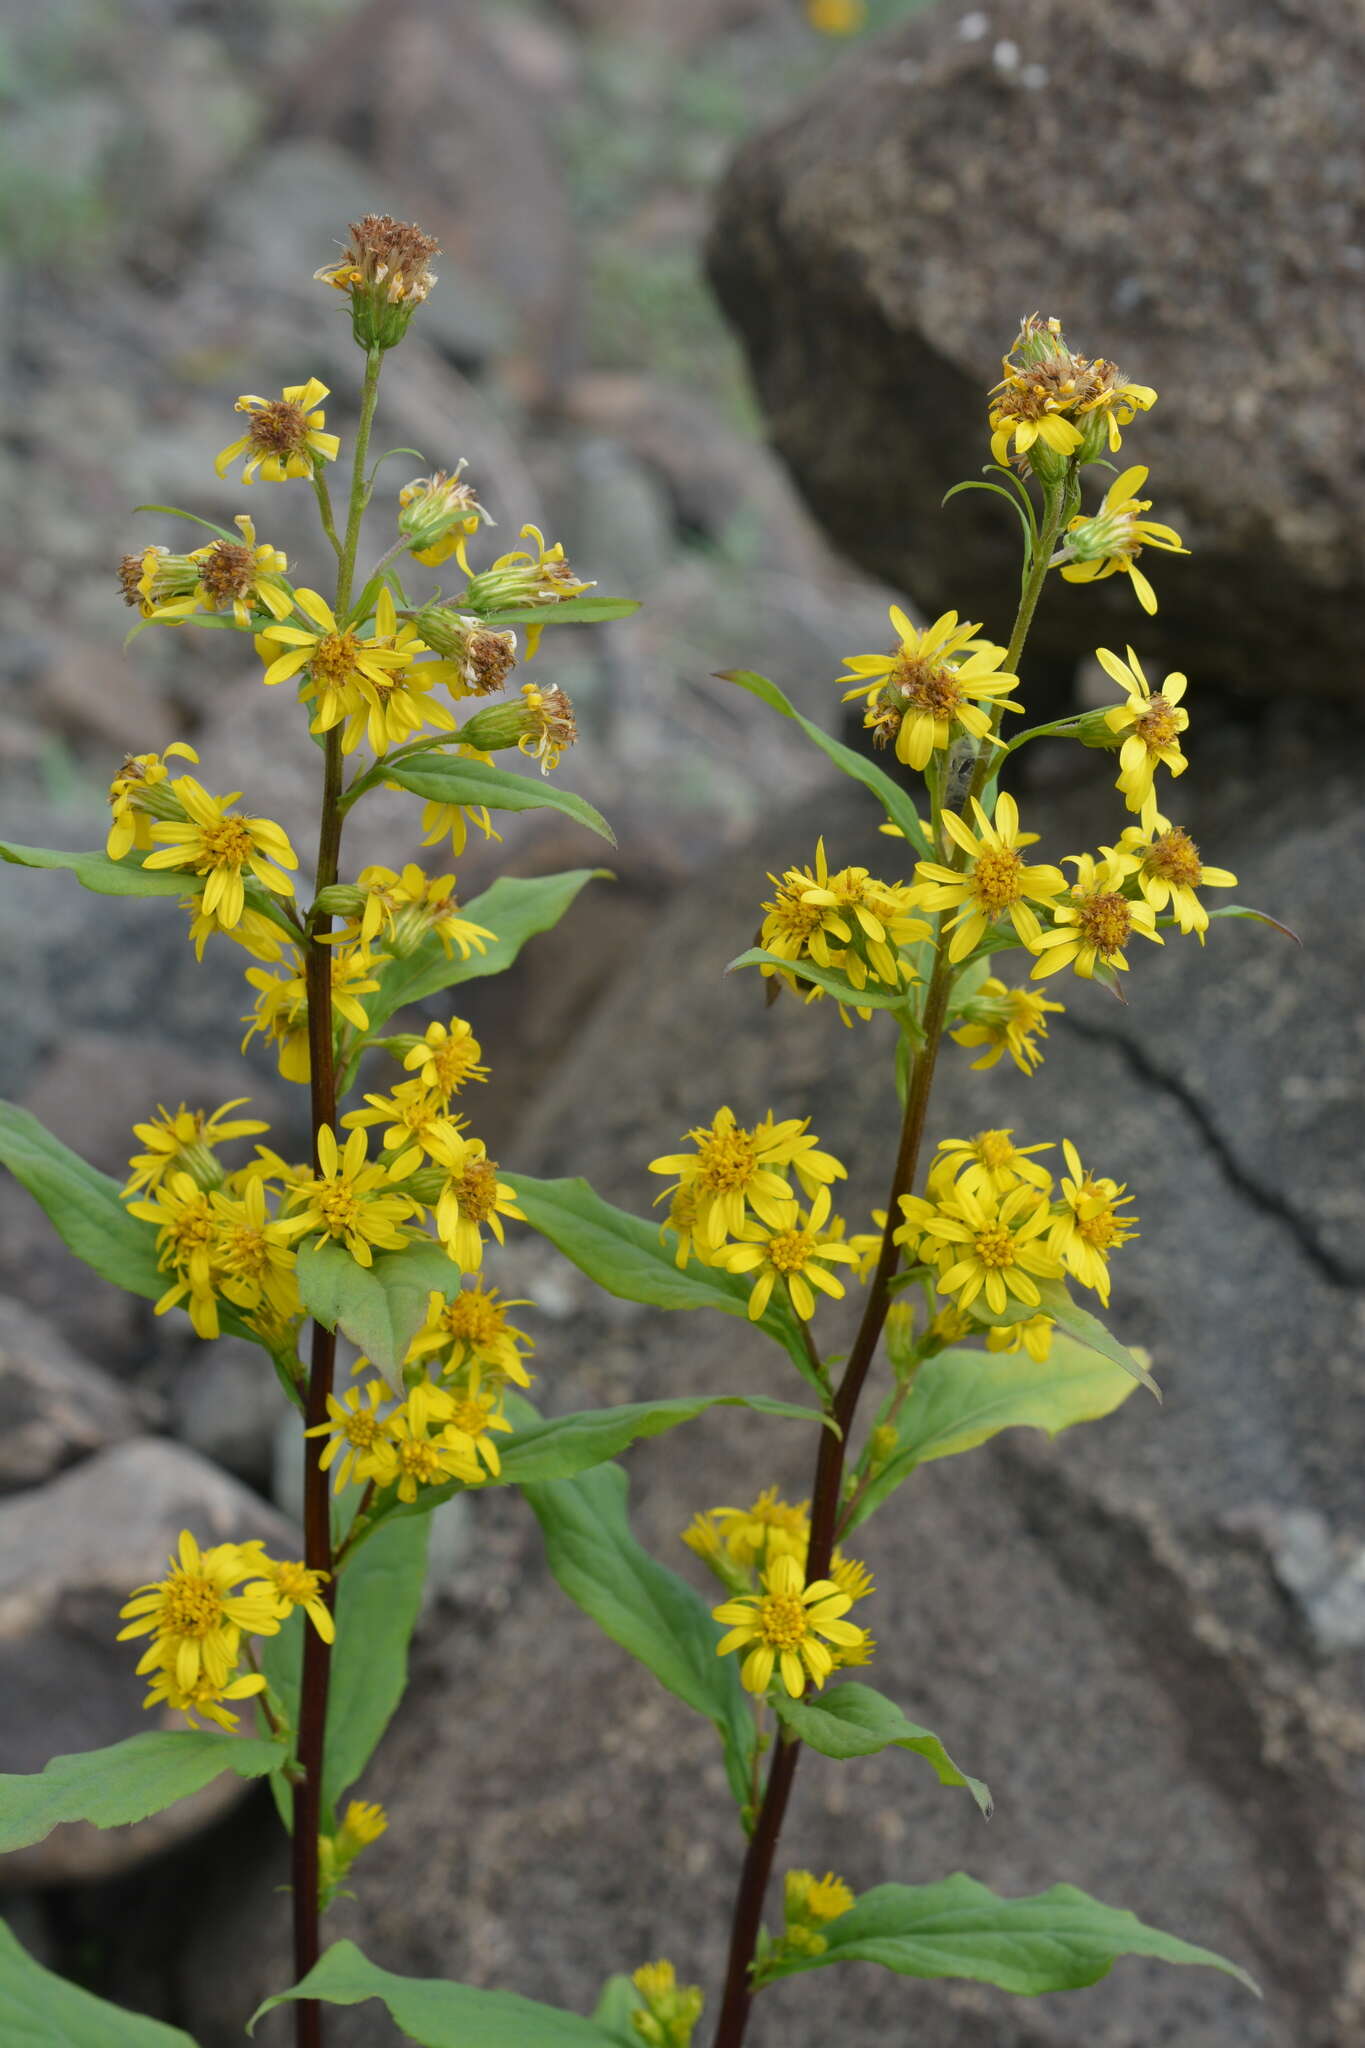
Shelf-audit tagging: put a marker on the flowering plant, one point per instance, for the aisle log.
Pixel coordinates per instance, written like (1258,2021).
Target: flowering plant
(379,1233)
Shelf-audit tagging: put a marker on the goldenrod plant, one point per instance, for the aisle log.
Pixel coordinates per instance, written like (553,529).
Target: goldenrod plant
(379,1233)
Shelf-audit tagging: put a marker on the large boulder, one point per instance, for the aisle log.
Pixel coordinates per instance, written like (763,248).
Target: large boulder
(1184,192)
(1147,1636)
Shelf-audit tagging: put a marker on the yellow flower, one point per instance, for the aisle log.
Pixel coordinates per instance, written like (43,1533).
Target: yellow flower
(552,727)
(836,17)
(846,921)
(193,1616)
(995,882)
(934,682)
(851,1576)
(770,1529)
(472,1197)
(217,843)
(285,437)
(395,710)
(185,1139)
(1095,923)
(795,1252)
(203,1700)
(1004,1020)
(987,1244)
(351,1201)
(540,576)
(448,1057)
(439,516)
(1169,871)
(363,1822)
(385,268)
(1115,536)
(783,1626)
(1033,1334)
(477,660)
(254,1260)
(281,1007)
(1047,389)
(424,1459)
(732,1171)
(671,2010)
(413,906)
(1089,1227)
(359,1445)
(439,819)
(471,1331)
(131,801)
(292,1585)
(818,1899)
(244,574)
(412,1113)
(473,1416)
(187,1233)
(338,661)
(991,1163)
(1153,725)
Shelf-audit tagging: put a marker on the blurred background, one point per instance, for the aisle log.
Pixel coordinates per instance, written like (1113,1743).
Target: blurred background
(723,285)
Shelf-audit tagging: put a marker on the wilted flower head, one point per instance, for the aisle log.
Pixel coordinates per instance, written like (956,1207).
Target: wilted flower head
(440,516)
(385,269)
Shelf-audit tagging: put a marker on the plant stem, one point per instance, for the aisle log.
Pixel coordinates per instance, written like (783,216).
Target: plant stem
(317,1530)
(827,1486)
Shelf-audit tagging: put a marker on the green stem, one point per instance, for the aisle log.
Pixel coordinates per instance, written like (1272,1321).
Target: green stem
(324,498)
(317,1529)
(827,1487)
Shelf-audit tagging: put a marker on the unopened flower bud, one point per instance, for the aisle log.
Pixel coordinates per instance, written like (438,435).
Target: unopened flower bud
(384,267)
(1093,729)
(882,1445)
(342,899)
(900,1335)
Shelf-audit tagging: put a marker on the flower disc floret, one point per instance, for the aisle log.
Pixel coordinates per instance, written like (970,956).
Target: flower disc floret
(359,1444)
(787,1626)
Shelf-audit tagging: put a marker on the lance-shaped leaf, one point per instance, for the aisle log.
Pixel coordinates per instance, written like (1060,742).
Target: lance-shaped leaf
(380,1307)
(454,779)
(623,1254)
(855,1720)
(872,997)
(573,611)
(105,877)
(112,1788)
(961,1398)
(515,909)
(617,2001)
(41,2010)
(895,801)
(651,1612)
(1055,1301)
(83,1207)
(440,2014)
(1244,910)
(379,1593)
(1058,1940)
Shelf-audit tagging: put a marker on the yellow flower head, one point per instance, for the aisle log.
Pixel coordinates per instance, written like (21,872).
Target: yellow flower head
(203,1701)
(930,687)
(244,575)
(412,1113)
(478,660)
(448,1057)
(1095,923)
(1110,542)
(194,1617)
(1170,872)
(539,575)
(550,727)
(995,882)
(471,1198)
(439,515)
(671,2010)
(796,1252)
(985,1243)
(816,1900)
(254,1258)
(385,267)
(1151,726)
(991,1163)
(1033,1334)
(281,1008)
(471,1334)
(216,843)
(1065,403)
(1088,1226)
(846,921)
(350,1201)
(1006,1020)
(363,1822)
(770,1529)
(358,1442)
(733,1171)
(427,1449)
(347,676)
(836,17)
(787,1626)
(411,907)
(293,1585)
(137,794)
(184,1140)
(186,1246)
(285,437)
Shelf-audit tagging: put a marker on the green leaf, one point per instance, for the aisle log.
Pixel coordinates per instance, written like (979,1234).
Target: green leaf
(1055,1301)
(438,2013)
(452,779)
(961,1398)
(873,997)
(41,2010)
(623,1254)
(618,2000)
(516,908)
(111,1788)
(379,1307)
(574,611)
(1242,910)
(177,512)
(1058,1940)
(895,801)
(379,1593)
(651,1612)
(83,1206)
(97,872)
(856,1720)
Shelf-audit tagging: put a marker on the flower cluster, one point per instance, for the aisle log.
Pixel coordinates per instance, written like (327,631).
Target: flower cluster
(1053,400)
(670,2010)
(809,1904)
(846,922)
(198,1614)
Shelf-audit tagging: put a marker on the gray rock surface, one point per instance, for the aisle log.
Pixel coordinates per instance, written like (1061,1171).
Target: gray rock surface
(54,1407)
(1183,190)
(1104,1627)
(71,1553)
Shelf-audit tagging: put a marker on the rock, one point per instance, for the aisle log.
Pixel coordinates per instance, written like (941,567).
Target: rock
(877,248)
(54,1408)
(1085,1623)
(71,1552)
(225,1403)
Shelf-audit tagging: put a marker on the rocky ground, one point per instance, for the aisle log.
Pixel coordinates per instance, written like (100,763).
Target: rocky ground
(1149,1637)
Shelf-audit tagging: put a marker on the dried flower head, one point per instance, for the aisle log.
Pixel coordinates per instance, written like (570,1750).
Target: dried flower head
(385,269)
